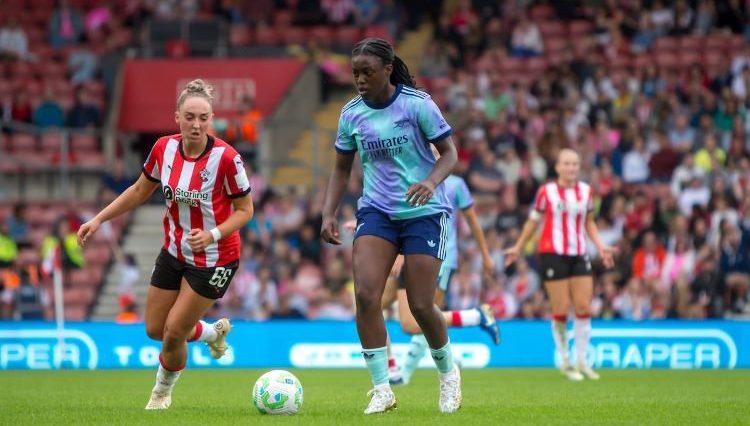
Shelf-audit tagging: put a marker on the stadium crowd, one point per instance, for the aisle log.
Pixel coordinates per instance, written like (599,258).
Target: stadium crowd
(665,146)
(653,95)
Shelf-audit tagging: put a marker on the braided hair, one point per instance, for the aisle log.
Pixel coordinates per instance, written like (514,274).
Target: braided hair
(383,50)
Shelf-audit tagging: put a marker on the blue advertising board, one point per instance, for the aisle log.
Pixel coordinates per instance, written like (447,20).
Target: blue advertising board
(323,344)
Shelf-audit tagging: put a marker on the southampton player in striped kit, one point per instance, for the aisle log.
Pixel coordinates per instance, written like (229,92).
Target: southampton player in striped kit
(565,207)
(208,200)
(403,209)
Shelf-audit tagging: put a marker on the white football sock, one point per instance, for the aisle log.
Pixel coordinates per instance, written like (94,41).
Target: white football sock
(582,335)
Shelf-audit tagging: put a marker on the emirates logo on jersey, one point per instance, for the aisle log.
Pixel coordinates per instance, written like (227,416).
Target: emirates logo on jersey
(205,175)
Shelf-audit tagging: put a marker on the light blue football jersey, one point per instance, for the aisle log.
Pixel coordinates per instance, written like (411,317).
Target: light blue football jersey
(460,199)
(393,141)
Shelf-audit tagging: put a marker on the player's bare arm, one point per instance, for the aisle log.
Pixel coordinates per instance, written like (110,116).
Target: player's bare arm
(512,253)
(476,230)
(133,197)
(336,185)
(605,252)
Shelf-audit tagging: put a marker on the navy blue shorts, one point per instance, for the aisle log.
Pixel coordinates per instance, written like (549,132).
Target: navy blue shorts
(420,235)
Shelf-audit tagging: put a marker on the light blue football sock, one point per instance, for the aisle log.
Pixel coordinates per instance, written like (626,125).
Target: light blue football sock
(417,348)
(377,364)
(443,358)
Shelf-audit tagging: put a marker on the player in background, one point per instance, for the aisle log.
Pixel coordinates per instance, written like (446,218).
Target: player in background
(208,200)
(403,209)
(461,200)
(565,208)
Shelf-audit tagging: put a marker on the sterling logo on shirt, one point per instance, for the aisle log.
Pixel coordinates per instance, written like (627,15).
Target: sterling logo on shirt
(179,195)
(385,148)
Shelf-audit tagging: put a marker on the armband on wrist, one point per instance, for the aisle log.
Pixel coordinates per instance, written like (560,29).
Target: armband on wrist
(216,234)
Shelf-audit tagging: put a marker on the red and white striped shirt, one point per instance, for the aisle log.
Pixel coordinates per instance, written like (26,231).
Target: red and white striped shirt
(198,193)
(564,213)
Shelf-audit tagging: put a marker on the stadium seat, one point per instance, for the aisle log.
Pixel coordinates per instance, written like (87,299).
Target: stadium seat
(717,43)
(204,36)
(579,27)
(76,313)
(555,44)
(691,44)
(266,36)
(712,58)
(535,65)
(541,12)
(346,37)
(29,256)
(378,31)
(510,65)
(83,142)
(23,142)
(97,255)
(292,35)
(619,62)
(93,160)
(666,59)
(551,29)
(689,57)
(240,35)
(37,235)
(737,42)
(163,31)
(283,18)
(323,35)
(51,141)
(666,44)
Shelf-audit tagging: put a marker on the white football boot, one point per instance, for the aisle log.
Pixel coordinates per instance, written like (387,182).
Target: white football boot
(450,390)
(571,373)
(159,401)
(586,371)
(219,346)
(382,400)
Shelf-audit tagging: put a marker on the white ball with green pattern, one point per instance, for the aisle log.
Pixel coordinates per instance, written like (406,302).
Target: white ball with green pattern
(277,392)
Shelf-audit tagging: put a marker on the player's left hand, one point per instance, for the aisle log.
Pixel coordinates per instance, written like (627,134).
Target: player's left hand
(606,253)
(419,194)
(199,239)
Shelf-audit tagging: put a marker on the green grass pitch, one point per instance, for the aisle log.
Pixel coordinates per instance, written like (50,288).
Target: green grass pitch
(491,396)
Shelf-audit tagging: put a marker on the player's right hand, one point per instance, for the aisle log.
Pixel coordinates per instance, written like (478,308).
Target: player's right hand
(330,231)
(86,230)
(511,255)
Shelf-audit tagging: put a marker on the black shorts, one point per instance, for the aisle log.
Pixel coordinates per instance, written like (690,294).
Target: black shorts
(208,282)
(559,267)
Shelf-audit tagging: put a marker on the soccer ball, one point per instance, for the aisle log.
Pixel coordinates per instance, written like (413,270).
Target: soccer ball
(277,392)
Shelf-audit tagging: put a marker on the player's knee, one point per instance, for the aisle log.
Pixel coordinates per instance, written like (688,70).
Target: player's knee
(155,332)
(582,311)
(367,300)
(422,309)
(173,335)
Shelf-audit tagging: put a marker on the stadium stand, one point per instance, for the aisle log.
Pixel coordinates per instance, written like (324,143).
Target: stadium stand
(517,83)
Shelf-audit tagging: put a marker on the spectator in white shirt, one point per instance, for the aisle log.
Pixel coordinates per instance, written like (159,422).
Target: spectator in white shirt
(13,41)
(526,40)
(695,194)
(635,163)
(684,173)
